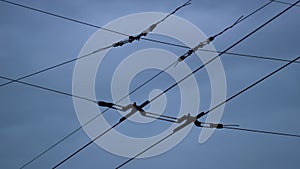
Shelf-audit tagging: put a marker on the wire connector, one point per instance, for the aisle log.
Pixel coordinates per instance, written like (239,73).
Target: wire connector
(191,51)
(109,105)
(213,125)
(188,120)
(134,108)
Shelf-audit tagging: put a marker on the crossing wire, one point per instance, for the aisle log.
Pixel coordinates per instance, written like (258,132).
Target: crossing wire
(95,26)
(100,28)
(49,89)
(234,96)
(227,100)
(92,25)
(117,44)
(226,50)
(282,2)
(15,80)
(81,22)
(120,43)
(149,101)
(152,40)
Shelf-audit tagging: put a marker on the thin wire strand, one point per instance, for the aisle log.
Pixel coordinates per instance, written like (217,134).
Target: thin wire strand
(226,127)
(167,67)
(282,2)
(84,23)
(95,26)
(262,131)
(18,80)
(86,145)
(142,152)
(171,65)
(72,60)
(52,67)
(238,92)
(226,50)
(252,85)
(152,99)
(173,12)
(259,57)
(113,45)
(80,97)
(62,17)
(49,89)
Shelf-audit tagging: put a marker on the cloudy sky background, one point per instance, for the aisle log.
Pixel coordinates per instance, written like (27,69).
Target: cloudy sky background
(32,119)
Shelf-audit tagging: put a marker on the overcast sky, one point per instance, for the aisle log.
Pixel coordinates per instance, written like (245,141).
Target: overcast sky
(31,119)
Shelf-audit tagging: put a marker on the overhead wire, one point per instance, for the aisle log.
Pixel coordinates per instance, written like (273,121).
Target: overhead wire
(64,62)
(226,50)
(219,125)
(134,108)
(99,27)
(70,20)
(252,85)
(283,2)
(194,119)
(120,43)
(151,100)
(117,44)
(261,131)
(232,97)
(86,145)
(49,89)
(180,59)
(51,67)
(62,17)
(80,97)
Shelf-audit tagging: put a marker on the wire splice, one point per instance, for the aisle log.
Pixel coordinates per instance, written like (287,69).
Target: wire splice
(191,51)
(188,119)
(149,29)
(206,42)
(17,81)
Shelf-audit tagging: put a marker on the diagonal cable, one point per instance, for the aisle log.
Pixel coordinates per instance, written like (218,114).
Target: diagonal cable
(117,44)
(197,123)
(86,145)
(77,129)
(202,114)
(113,45)
(206,50)
(49,89)
(237,94)
(261,131)
(62,17)
(283,2)
(187,3)
(252,85)
(226,50)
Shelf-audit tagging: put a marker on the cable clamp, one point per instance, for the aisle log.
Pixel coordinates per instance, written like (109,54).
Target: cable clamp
(188,120)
